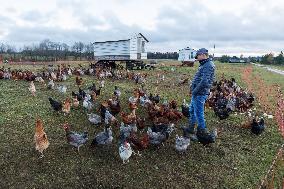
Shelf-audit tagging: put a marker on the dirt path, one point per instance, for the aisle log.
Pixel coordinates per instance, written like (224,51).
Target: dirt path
(270,69)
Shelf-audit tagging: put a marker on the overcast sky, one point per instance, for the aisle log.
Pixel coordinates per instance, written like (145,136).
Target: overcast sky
(246,27)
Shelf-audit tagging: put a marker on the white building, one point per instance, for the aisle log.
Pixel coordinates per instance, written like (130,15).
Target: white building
(133,48)
(187,55)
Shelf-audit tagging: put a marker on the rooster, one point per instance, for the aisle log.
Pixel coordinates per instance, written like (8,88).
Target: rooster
(66,106)
(32,88)
(75,139)
(57,106)
(40,138)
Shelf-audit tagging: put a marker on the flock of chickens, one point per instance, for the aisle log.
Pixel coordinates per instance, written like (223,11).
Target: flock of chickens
(227,97)
(134,134)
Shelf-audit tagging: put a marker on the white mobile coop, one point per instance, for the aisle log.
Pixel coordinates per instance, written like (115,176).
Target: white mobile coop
(187,56)
(131,51)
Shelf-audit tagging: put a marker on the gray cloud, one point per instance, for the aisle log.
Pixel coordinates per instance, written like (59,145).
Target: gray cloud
(256,28)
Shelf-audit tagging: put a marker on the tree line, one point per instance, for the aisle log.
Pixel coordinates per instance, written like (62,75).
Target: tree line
(265,59)
(47,50)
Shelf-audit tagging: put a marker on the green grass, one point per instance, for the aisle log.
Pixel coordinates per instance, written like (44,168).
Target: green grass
(238,159)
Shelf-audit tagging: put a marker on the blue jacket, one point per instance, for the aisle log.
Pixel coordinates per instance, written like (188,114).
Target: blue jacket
(203,78)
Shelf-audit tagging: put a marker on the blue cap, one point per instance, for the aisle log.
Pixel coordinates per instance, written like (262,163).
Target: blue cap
(201,51)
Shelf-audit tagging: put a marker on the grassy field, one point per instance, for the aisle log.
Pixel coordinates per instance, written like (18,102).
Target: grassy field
(238,159)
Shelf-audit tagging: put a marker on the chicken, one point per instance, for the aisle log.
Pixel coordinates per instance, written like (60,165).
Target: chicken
(57,106)
(138,143)
(128,118)
(174,116)
(50,84)
(114,106)
(62,89)
(125,151)
(117,92)
(76,102)
(103,138)
(140,122)
(75,139)
(257,127)
(207,138)
(107,117)
(132,106)
(87,104)
(80,96)
(94,118)
(66,106)
(182,143)
(157,138)
(222,113)
(156,99)
(40,138)
(125,130)
(79,81)
(185,108)
(32,88)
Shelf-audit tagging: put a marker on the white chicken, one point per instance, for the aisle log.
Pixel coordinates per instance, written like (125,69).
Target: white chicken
(125,151)
(32,88)
(182,143)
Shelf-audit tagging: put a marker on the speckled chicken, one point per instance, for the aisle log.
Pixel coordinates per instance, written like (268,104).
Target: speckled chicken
(182,143)
(75,139)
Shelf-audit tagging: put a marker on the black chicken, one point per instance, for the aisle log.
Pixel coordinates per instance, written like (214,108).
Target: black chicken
(185,109)
(93,88)
(257,127)
(57,106)
(156,99)
(205,137)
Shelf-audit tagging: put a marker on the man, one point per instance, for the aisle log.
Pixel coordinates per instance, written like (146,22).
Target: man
(199,91)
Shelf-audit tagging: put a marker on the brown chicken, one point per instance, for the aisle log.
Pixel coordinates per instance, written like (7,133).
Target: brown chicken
(40,138)
(138,144)
(140,122)
(132,106)
(174,116)
(79,81)
(66,106)
(128,118)
(114,106)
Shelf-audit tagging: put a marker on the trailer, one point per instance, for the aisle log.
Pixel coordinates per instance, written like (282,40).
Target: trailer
(187,56)
(131,51)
